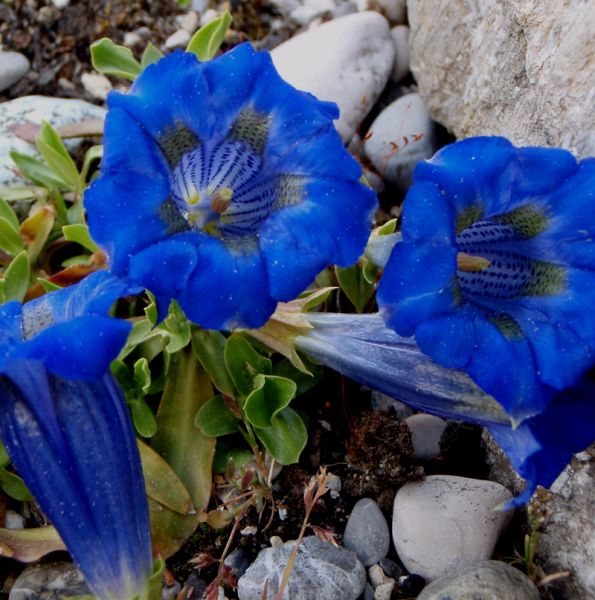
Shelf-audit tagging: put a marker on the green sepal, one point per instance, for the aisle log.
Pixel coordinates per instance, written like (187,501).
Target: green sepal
(154,585)
(56,155)
(209,348)
(214,418)
(112,59)
(244,363)
(16,278)
(207,40)
(356,287)
(150,56)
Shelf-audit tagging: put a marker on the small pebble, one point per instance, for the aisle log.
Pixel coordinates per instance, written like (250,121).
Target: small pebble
(13,66)
(199,5)
(391,568)
(377,576)
(238,561)
(178,39)
(426,432)
(208,16)
(45,15)
(384,591)
(367,532)
(131,39)
(188,22)
(14,520)
(96,85)
(368,592)
(489,580)
(60,4)
(170,592)
(400,35)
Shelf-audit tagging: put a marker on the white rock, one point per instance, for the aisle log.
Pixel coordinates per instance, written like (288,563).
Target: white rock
(395,10)
(131,39)
(347,61)
(96,84)
(524,70)
(33,110)
(13,66)
(208,16)
(188,21)
(400,136)
(400,35)
(199,5)
(60,4)
(14,520)
(310,9)
(178,39)
(445,523)
(426,431)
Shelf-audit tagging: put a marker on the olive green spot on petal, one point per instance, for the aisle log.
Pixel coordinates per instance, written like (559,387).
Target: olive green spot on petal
(290,191)
(467,217)
(241,245)
(251,128)
(170,215)
(457,293)
(526,220)
(508,327)
(177,141)
(36,318)
(547,279)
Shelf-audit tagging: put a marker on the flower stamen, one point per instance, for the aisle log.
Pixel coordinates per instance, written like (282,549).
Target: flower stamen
(221,199)
(469,263)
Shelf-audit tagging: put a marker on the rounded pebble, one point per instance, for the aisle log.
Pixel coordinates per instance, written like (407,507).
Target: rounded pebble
(426,432)
(13,66)
(178,39)
(367,532)
(400,36)
(445,523)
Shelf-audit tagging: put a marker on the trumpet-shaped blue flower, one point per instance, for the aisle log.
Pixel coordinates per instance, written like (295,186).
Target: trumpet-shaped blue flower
(366,350)
(225,188)
(496,271)
(67,430)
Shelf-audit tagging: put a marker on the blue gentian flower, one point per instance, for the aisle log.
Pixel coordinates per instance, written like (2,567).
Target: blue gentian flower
(225,188)
(496,271)
(66,427)
(363,348)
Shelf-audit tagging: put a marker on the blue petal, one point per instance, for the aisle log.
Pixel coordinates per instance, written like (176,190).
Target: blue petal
(331,226)
(228,290)
(10,328)
(79,349)
(417,285)
(83,468)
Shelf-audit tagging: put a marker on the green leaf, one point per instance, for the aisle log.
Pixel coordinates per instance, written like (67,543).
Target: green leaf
(21,192)
(10,240)
(286,438)
(29,545)
(79,233)
(7,213)
(56,155)
(244,363)
(16,278)
(209,348)
(226,453)
(215,418)
(37,171)
(162,483)
(356,287)
(271,395)
(93,153)
(370,272)
(142,417)
(150,56)
(111,59)
(48,286)
(207,40)
(304,381)
(177,327)
(14,486)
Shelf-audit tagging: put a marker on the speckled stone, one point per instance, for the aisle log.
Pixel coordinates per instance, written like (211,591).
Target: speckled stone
(49,581)
(321,570)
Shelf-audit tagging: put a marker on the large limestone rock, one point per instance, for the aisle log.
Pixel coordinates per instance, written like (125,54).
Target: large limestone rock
(524,70)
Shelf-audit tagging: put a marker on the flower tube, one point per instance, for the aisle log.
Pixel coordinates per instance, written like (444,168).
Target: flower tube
(66,427)
(236,185)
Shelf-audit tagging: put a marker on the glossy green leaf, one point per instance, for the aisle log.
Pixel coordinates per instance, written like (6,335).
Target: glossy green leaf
(37,171)
(162,483)
(244,363)
(215,418)
(56,155)
(354,284)
(207,40)
(7,213)
(29,545)
(48,286)
(14,486)
(286,438)
(112,59)
(209,348)
(150,56)
(10,240)
(303,381)
(271,395)
(79,233)
(16,278)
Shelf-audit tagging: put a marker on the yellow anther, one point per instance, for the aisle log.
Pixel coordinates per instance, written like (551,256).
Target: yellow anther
(470,263)
(221,200)
(194,199)
(192,218)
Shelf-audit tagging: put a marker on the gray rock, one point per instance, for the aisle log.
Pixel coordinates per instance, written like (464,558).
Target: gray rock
(368,592)
(358,55)
(567,539)
(445,523)
(400,35)
(489,580)
(367,532)
(524,70)
(13,66)
(238,561)
(33,110)
(321,570)
(426,431)
(50,581)
(400,136)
